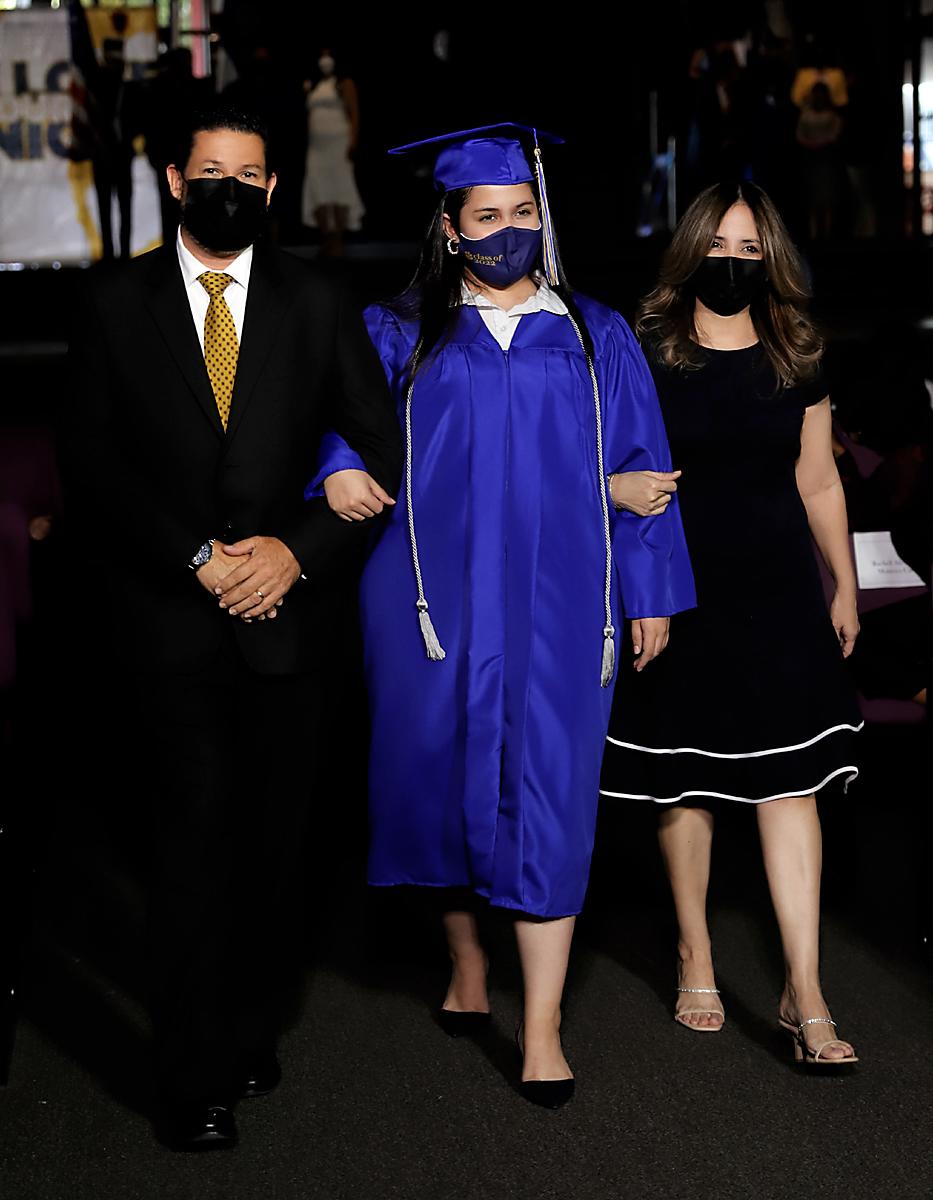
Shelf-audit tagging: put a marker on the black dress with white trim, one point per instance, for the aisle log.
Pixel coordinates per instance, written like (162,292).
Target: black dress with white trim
(752,699)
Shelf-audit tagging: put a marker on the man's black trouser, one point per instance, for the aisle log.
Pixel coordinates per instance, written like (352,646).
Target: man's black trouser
(227,768)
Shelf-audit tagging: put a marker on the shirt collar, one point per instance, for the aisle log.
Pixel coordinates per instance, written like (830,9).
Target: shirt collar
(238,268)
(545,299)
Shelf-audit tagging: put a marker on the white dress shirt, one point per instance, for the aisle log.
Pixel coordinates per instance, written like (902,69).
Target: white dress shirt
(235,295)
(502,322)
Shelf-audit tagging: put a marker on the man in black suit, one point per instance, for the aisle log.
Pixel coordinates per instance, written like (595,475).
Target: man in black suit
(203,376)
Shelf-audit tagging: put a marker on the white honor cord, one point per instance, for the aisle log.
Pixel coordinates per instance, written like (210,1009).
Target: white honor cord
(609,649)
(435,651)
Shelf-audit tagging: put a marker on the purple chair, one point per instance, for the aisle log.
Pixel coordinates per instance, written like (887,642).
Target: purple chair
(29,488)
(879,710)
(14,584)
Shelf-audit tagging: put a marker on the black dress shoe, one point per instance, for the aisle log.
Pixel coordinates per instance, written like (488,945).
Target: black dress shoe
(261,1075)
(463,1024)
(203,1126)
(547,1093)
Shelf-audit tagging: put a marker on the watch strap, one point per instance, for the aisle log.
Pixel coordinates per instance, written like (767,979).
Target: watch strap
(203,555)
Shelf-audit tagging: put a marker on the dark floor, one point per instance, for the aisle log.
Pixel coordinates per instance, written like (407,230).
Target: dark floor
(377,1102)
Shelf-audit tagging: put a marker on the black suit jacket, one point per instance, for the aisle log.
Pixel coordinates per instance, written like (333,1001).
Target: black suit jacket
(151,474)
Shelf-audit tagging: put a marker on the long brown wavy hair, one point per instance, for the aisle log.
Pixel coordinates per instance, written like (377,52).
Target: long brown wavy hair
(666,317)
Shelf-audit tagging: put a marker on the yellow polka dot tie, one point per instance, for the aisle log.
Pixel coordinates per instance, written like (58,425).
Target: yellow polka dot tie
(221,347)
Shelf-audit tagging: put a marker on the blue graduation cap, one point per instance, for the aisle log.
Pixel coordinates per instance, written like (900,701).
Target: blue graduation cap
(475,157)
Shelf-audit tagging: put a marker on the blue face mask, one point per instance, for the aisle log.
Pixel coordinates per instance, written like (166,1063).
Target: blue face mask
(501,259)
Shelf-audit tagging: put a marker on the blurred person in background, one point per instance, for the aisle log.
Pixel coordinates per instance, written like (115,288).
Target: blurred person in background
(330,199)
(819,65)
(722,109)
(119,119)
(819,136)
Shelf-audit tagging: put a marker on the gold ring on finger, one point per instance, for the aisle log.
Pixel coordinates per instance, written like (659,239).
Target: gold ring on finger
(259,594)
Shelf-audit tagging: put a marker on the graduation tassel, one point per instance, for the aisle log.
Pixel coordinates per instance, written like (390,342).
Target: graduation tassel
(609,656)
(550,252)
(435,651)
(432,645)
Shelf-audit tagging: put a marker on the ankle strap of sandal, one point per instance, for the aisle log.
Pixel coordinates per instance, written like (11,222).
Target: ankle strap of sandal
(817,1021)
(705,991)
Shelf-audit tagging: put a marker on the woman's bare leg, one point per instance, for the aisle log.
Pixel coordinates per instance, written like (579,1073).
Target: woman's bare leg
(544,950)
(467,991)
(792,847)
(685,835)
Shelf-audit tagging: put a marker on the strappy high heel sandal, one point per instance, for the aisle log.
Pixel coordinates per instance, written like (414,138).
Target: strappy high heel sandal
(707,1012)
(805,1053)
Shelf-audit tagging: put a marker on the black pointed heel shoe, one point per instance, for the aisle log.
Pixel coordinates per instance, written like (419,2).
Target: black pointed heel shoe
(202,1126)
(261,1075)
(546,1093)
(463,1024)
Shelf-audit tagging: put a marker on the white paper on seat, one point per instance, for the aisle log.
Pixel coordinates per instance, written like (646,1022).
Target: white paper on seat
(878,565)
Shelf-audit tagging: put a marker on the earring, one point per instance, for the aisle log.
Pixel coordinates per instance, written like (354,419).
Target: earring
(452,246)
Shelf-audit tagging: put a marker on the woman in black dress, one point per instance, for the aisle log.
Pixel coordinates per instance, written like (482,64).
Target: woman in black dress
(751,702)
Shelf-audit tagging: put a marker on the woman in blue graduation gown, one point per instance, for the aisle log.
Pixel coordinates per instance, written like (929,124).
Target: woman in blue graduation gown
(493,599)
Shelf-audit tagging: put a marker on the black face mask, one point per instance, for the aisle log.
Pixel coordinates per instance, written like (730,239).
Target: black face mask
(726,285)
(224,214)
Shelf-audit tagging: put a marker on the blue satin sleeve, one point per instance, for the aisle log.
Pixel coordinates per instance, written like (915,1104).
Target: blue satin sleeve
(386,333)
(650,553)
(333,455)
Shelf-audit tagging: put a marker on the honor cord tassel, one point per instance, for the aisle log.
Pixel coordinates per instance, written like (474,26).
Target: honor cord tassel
(435,650)
(609,656)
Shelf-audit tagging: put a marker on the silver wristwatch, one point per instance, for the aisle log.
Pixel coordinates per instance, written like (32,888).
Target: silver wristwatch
(202,556)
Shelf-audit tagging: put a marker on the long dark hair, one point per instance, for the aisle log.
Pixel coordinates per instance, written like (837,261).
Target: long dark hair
(434,296)
(786,332)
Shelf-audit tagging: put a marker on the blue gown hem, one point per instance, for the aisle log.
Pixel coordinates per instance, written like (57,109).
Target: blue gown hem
(523,908)
(496,902)
(389,883)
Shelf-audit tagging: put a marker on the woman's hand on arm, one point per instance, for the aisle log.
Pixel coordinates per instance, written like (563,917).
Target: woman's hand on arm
(821,491)
(645,493)
(355,495)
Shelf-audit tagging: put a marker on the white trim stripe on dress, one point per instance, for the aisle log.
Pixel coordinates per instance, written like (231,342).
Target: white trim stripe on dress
(748,754)
(725,795)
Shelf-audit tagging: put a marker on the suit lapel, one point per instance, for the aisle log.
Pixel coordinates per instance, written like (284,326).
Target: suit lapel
(266,302)
(168,304)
